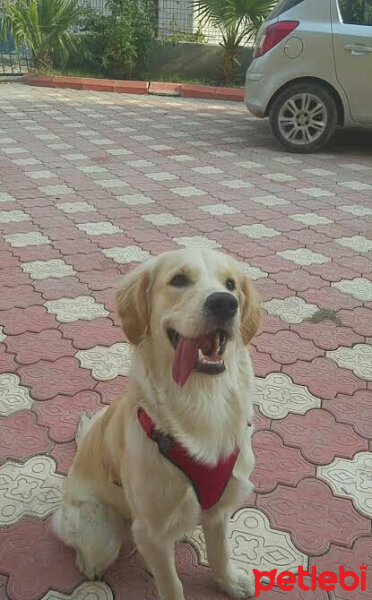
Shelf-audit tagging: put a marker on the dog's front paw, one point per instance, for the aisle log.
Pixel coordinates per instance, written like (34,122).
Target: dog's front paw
(237,584)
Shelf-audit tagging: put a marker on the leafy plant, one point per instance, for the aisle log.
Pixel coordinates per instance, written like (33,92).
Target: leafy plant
(238,22)
(179,37)
(43,26)
(120,43)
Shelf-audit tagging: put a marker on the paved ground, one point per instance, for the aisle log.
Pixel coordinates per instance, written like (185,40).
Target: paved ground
(93,182)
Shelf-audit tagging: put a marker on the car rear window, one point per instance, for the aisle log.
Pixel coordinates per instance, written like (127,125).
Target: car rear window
(356,12)
(283,6)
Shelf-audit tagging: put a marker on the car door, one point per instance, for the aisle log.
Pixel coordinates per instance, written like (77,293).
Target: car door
(352,42)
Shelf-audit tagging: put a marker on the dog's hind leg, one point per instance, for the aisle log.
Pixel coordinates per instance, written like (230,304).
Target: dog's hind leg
(94,530)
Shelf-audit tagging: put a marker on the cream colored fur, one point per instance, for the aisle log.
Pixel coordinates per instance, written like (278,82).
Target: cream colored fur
(119,481)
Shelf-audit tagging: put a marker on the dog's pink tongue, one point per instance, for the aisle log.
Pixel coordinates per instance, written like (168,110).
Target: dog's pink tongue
(185,359)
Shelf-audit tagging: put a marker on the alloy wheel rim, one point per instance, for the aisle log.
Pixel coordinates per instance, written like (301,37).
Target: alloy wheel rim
(303,119)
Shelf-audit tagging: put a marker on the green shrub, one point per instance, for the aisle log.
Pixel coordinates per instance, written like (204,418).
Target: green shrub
(118,44)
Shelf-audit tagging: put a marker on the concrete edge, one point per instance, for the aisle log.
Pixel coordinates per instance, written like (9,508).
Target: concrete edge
(184,90)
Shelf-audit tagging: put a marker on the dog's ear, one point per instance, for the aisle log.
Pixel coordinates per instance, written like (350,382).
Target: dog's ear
(132,304)
(251,310)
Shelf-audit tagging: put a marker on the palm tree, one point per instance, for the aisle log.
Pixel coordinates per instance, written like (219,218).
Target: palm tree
(43,26)
(238,21)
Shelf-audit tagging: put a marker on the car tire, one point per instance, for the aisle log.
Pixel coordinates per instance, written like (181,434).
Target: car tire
(303,117)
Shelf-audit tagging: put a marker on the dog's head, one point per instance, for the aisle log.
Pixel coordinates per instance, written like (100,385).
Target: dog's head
(193,305)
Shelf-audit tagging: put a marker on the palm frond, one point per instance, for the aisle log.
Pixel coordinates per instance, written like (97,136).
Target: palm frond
(44,26)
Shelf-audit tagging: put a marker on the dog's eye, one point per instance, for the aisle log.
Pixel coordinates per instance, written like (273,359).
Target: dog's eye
(179,280)
(230,284)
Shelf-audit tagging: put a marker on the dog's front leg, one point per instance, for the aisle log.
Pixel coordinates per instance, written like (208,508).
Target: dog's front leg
(160,557)
(235,582)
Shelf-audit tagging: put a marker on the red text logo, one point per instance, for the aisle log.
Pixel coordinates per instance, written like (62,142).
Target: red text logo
(327,580)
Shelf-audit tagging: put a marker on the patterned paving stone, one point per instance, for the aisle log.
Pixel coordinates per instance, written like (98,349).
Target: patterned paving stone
(355,410)
(126,255)
(13,216)
(351,479)
(68,310)
(18,240)
(292,309)
(60,377)
(252,272)
(358,243)
(52,268)
(14,397)
(31,347)
(352,558)
(32,318)
(313,516)
(21,437)
(7,361)
(276,395)
(26,580)
(304,256)
(285,347)
(94,589)
(359,287)
(53,289)
(327,335)
(330,380)
(63,454)
(110,389)
(358,359)
(61,414)
(257,231)
(197,242)
(85,335)
(106,362)
(100,228)
(319,437)
(276,463)
(35,481)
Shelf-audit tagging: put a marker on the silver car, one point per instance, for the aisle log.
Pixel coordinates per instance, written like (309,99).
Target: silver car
(312,70)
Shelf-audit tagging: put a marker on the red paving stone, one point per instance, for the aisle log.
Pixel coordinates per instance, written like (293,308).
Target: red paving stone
(61,414)
(355,410)
(313,516)
(351,559)
(286,347)
(22,437)
(19,297)
(32,318)
(303,520)
(330,380)
(31,347)
(319,437)
(26,547)
(86,334)
(277,463)
(46,379)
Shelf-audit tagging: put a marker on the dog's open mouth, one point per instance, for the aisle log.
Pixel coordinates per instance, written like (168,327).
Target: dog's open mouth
(204,354)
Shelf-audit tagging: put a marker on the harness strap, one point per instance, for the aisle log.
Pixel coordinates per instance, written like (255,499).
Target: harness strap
(208,481)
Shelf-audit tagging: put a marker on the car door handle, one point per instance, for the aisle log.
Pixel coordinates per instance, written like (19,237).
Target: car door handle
(358,49)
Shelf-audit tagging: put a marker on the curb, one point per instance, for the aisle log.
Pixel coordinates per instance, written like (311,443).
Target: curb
(185,90)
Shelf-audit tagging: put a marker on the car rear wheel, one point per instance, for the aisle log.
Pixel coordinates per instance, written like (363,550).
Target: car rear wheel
(303,117)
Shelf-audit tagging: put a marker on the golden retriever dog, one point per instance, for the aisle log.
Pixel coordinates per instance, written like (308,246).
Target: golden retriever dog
(174,450)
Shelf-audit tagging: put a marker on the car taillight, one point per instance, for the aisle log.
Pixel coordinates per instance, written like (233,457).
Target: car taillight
(274,34)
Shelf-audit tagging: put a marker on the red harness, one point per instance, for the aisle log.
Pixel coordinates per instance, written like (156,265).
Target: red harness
(209,482)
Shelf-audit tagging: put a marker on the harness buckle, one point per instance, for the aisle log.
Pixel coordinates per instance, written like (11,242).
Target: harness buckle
(165,442)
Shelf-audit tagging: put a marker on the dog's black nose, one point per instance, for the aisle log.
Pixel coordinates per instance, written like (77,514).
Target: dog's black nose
(221,305)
